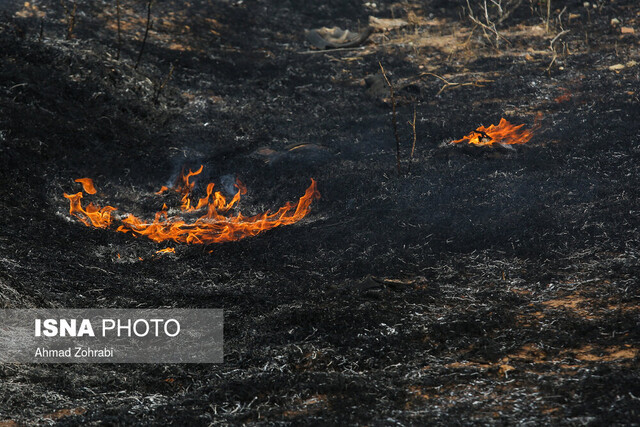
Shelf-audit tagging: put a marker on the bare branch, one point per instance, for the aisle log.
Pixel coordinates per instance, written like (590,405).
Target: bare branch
(163,83)
(146,33)
(449,85)
(71,17)
(557,37)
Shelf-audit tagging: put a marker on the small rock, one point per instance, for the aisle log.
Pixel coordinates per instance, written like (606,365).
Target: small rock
(333,38)
(386,24)
(615,22)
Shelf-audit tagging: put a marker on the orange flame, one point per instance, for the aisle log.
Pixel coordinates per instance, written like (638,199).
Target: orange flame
(504,133)
(87,185)
(92,215)
(166,251)
(211,227)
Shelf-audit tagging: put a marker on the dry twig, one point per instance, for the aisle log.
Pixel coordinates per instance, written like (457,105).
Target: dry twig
(413,143)
(163,83)
(556,38)
(146,33)
(508,10)
(449,85)
(555,54)
(488,25)
(119,29)
(71,17)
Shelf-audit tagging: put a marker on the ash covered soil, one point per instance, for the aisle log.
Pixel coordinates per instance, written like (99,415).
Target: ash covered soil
(475,286)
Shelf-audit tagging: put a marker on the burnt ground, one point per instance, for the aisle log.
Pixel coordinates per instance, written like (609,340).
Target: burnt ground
(475,286)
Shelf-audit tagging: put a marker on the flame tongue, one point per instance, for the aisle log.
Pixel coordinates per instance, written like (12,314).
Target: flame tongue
(87,185)
(92,215)
(503,133)
(211,227)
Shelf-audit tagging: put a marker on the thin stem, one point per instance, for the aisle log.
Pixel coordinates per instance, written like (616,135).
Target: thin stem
(163,83)
(119,29)
(71,17)
(146,33)
(394,120)
(413,144)
(413,127)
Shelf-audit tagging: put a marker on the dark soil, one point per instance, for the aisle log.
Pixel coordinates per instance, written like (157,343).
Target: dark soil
(475,286)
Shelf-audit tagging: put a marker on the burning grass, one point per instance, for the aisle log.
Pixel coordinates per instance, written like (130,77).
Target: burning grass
(211,227)
(496,239)
(504,133)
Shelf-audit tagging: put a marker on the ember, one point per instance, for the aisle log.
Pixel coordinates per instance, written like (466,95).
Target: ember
(211,227)
(504,133)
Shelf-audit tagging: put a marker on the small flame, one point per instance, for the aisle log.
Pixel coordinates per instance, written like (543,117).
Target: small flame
(210,227)
(87,185)
(166,251)
(92,215)
(503,133)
